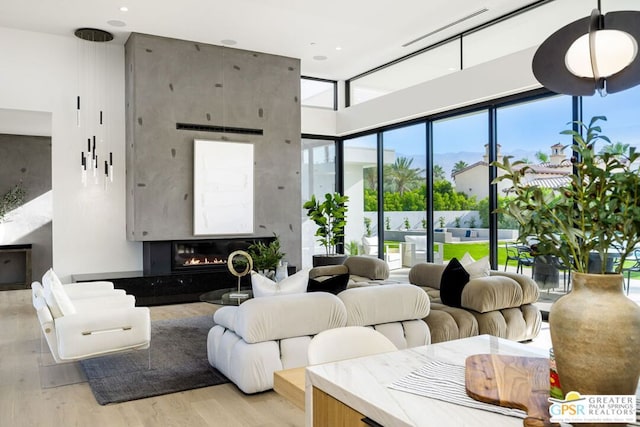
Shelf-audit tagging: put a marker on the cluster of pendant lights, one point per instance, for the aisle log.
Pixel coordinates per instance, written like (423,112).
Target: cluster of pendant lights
(96,165)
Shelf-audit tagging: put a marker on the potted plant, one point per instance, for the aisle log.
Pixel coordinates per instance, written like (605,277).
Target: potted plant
(266,257)
(330,217)
(595,329)
(11,200)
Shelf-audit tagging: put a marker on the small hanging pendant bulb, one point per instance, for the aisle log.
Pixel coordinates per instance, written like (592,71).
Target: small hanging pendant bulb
(111,166)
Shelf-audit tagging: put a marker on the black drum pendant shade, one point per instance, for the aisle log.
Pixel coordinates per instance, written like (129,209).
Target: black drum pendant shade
(550,62)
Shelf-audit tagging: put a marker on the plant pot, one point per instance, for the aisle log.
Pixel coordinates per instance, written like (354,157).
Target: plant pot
(595,331)
(337,259)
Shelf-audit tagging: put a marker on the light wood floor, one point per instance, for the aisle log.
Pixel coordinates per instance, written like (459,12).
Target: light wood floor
(24,403)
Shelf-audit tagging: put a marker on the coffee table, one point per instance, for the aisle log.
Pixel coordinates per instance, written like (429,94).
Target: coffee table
(223,296)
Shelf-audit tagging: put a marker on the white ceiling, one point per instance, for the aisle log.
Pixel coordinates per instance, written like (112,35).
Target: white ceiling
(370,32)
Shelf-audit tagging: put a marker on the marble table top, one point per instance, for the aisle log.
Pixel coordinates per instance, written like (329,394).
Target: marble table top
(363,383)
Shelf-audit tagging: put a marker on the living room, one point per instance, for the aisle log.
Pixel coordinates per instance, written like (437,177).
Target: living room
(91,226)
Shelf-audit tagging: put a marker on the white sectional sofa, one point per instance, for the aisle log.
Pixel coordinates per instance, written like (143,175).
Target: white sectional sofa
(263,335)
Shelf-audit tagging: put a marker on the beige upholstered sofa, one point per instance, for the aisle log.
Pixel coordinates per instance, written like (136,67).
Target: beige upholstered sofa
(263,335)
(501,304)
(363,270)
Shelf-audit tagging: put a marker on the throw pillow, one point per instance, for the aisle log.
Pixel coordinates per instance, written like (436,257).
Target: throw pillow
(466,259)
(295,284)
(334,285)
(477,269)
(454,278)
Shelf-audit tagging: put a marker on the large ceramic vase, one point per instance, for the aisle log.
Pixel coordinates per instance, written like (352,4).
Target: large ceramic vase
(595,332)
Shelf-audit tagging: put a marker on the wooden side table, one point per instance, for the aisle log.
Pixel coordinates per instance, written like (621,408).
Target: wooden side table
(289,384)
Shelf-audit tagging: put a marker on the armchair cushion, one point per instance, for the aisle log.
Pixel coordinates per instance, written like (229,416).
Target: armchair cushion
(90,334)
(333,285)
(454,279)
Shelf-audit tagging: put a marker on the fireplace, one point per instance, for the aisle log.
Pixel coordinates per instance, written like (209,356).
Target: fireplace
(180,256)
(178,271)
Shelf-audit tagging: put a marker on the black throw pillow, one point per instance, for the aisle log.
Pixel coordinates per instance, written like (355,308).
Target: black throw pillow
(334,285)
(454,278)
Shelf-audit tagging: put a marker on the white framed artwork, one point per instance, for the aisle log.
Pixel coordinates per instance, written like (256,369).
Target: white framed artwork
(222,187)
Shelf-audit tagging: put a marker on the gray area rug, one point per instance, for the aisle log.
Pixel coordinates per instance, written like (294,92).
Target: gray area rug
(178,362)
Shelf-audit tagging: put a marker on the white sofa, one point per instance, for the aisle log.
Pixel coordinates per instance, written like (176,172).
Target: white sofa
(263,335)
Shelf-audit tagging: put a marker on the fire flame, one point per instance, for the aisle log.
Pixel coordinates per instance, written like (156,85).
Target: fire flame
(199,261)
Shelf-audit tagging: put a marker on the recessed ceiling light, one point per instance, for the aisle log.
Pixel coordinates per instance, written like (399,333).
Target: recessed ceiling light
(124,9)
(116,23)
(320,58)
(338,47)
(228,42)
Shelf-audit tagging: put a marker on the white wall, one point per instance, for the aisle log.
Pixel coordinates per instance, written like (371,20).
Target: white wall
(38,73)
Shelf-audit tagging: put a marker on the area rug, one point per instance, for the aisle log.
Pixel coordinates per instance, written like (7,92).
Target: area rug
(178,362)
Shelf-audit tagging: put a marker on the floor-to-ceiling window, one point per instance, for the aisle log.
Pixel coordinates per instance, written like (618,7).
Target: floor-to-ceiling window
(622,127)
(404,195)
(318,177)
(361,186)
(461,185)
(530,132)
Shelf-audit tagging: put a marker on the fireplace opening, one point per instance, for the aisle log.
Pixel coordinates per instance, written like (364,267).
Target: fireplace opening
(199,254)
(179,256)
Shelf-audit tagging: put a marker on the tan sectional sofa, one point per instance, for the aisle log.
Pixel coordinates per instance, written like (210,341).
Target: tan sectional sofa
(501,304)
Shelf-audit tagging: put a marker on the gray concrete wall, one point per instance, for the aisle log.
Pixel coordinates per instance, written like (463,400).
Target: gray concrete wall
(26,159)
(170,81)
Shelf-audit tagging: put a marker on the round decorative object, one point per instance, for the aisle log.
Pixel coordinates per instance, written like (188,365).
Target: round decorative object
(595,331)
(248,265)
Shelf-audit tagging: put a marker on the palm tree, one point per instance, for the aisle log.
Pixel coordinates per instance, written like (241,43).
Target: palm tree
(370,176)
(618,149)
(461,164)
(402,176)
(438,172)
(542,157)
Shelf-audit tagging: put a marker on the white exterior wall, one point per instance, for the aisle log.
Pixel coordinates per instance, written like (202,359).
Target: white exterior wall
(38,73)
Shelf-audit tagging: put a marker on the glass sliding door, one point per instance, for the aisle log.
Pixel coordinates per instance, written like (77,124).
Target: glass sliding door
(622,126)
(530,132)
(461,186)
(404,195)
(318,177)
(361,185)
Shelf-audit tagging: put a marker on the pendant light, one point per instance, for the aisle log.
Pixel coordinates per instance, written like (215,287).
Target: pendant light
(90,105)
(598,53)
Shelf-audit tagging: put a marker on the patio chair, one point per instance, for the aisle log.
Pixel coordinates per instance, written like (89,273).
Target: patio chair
(634,268)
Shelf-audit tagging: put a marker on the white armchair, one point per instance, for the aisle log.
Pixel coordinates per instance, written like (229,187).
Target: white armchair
(392,256)
(414,250)
(81,328)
